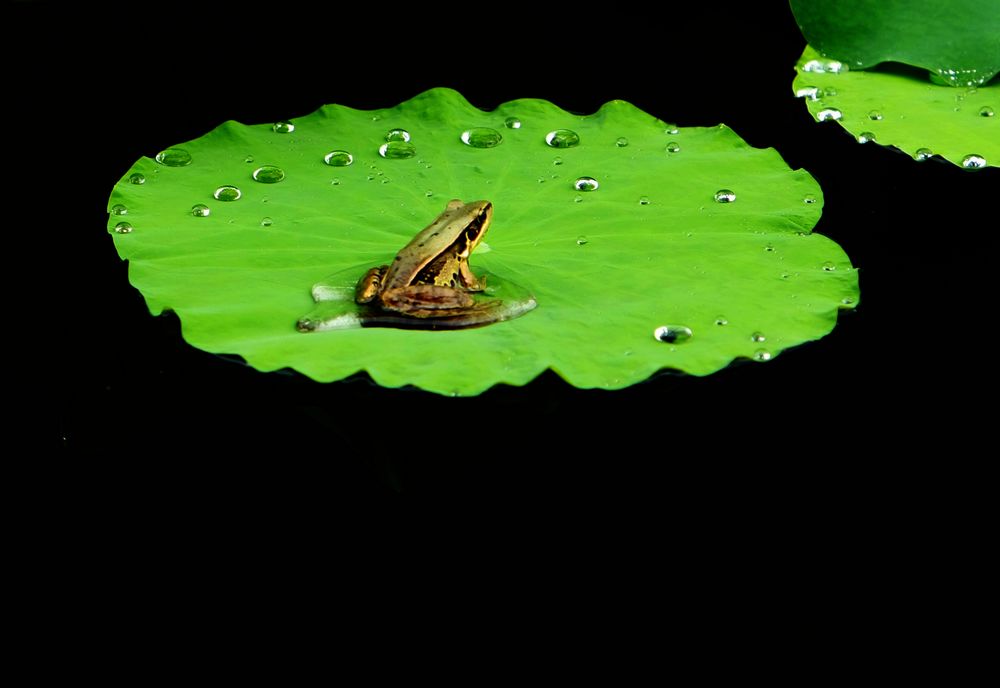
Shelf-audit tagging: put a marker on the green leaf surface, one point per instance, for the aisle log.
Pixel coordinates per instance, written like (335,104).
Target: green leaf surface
(650,247)
(958,40)
(914,115)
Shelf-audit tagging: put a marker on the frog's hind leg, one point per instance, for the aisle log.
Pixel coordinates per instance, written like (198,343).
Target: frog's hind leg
(426,300)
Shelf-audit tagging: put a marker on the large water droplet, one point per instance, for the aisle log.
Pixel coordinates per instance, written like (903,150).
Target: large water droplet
(266,222)
(268,174)
(200,210)
(119,209)
(338,158)
(986,111)
(137,178)
(481,137)
(227,192)
(123,227)
(621,142)
(973,161)
(672,334)
(586,184)
(673,147)
(512,123)
(866,137)
(828,114)
(283,127)
(174,157)
(398,135)
(875,115)
(923,154)
(397,150)
(810,92)
(725,196)
(562,138)
(762,355)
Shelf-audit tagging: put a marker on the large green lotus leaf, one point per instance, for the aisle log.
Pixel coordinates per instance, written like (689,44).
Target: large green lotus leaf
(914,115)
(958,40)
(649,247)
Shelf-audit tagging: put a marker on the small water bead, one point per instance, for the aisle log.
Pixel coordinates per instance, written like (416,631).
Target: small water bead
(672,334)
(397,135)
(481,137)
(581,240)
(578,199)
(866,137)
(562,138)
(986,111)
(123,227)
(829,267)
(428,193)
(673,147)
(397,150)
(512,123)
(847,301)
(643,200)
(829,92)
(721,321)
(586,184)
(973,162)
(671,129)
(829,114)
(769,248)
(283,127)
(762,355)
(268,174)
(200,210)
(266,222)
(809,199)
(335,182)
(338,158)
(758,337)
(119,209)
(810,92)
(385,180)
(725,196)
(621,142)
(137,178)
(248,159)
(875,115)
(557,161)
(173,157)
(923,154)
(227,192)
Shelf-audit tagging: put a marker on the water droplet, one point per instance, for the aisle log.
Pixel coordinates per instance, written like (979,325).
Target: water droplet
(973,161)
(541,180)
(721,321)
(338,158)
(385,180)
(671,129)
(586,184)
(119,209)
(173,157)
(923,154)
(123,227)
(673,147)
(283,127)
(371,177)
(672,334)
(815,66)
(810,92)
(762,355)
(335,182)
(866,137)
(809,198)
(643,200)
(268,174)
(266,222)
(769,248)
(578,199)
(829,92)
(200,210)
(562,138)
(512,123)
(847,301)
(397,150)
(758,337)
(827,114)
(875,115)
(428,193)
(137,178)
(835,67)
(227,192)
(986,111)
(621,142)
(248,159)
(724,196)
(398,135)
(481,137)
(829,267)
(581,240)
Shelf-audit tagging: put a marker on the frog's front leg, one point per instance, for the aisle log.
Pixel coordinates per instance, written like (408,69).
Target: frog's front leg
(426,300)
(370,285)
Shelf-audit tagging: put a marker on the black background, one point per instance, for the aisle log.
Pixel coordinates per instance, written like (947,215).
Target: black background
(879,416)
